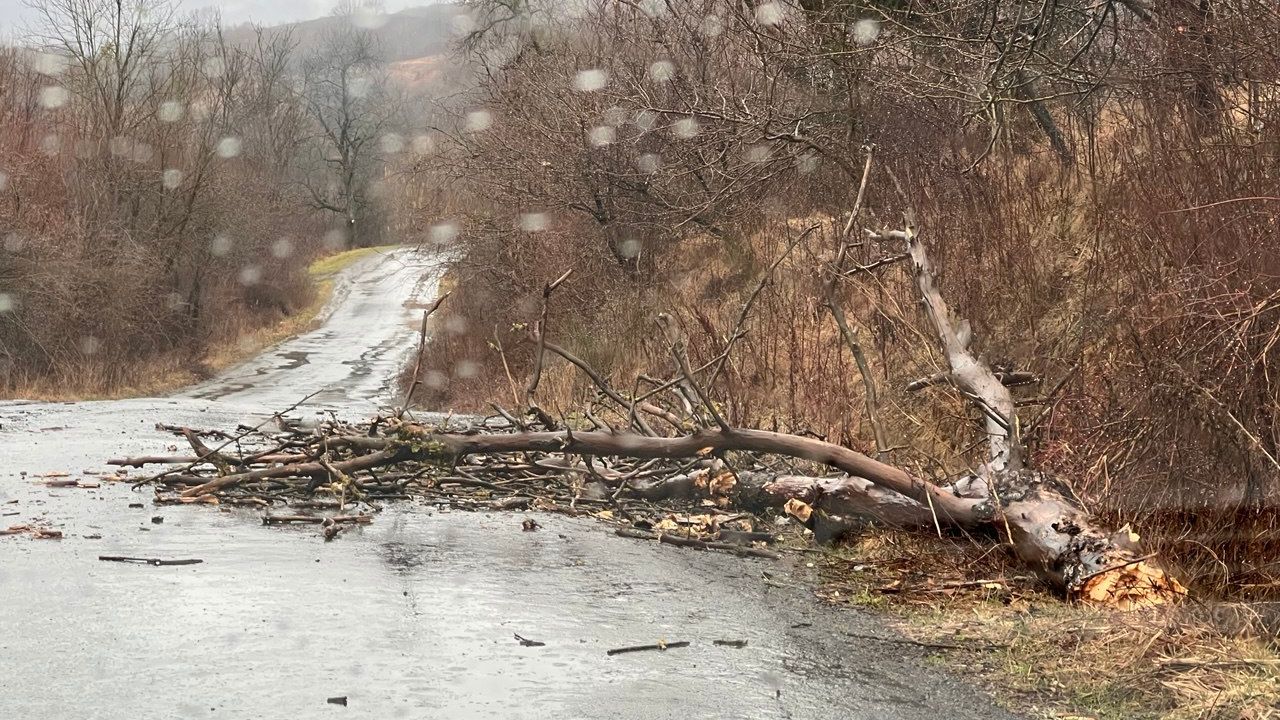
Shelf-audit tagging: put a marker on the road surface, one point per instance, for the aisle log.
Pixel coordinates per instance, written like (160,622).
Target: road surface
(413,616)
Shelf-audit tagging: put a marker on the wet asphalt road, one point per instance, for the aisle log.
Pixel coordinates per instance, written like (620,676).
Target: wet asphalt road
(412,616)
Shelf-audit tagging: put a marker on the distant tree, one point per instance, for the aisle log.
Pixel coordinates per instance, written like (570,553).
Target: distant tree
(347,98)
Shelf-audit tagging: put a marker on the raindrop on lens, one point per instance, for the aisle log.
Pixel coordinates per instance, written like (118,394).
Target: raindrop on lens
(602,135)
(7,302)
(807,163)
(169,111)
(13,242)
(282,248)
(423,144)
(228,147)
(214,67)
(646,119)
(615,116)
(712,26)
(590,80)
(685,128)
(335,239)
(757,153)
(90,345)
(443,232)
(465,369)
(4,181)
(533,222)
(630,248)
(53,96)
(662,71)
(250,275)
(47,63)
(461,24)
(435,379)
(455,325)
(220,246)
(172,178)
(391,143)
(649,163)
(866,31)
(769,14)
(479,120)
(50,144)
(367,17)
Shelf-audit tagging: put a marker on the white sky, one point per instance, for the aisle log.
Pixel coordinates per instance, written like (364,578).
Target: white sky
(14,14)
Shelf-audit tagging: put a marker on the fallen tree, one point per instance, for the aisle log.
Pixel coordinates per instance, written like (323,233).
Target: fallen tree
(1037,515)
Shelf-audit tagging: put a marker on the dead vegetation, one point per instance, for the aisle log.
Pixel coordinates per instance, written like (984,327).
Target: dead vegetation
(977,614)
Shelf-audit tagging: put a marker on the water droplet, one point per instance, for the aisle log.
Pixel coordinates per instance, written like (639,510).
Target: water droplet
(466,369)
(443,232)
(7,302)
(282,248)
(13,242)
(171,179)
(712,25)
(335,239)
(435,380)
(359,86)
(615,116)
(662,71)
(250,275)
(228,147)
(50,144)
(220,245)
(462,24)
(685,128)
(170,111)
(53,96)
(646,119)
(368,17)
(649,163)
(653,8)
(770,13)
(174,301)
(533,222)
(601,136)
(141,153)
(214,66)
(53,64)
(807,163)
(423,144)
(391,143)
(479,120)
(455,324)
(630,248)
(865,31)
(4,181)
(757,153)
(90,345)
(590,80)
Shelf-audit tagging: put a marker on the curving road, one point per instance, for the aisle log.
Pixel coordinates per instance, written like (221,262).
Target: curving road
(412,616)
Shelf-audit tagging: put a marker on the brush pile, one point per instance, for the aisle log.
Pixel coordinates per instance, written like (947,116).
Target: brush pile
(337,474)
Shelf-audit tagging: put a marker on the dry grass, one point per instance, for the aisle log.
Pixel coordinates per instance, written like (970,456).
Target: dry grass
(981,615)
(166,373)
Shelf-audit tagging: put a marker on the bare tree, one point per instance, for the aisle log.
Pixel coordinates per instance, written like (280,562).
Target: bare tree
(347,98)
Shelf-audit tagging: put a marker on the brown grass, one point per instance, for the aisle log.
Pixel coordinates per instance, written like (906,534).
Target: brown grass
(1052,660)
(241,339)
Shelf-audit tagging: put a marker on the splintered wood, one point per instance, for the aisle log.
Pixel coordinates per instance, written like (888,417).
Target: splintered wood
(1133,586)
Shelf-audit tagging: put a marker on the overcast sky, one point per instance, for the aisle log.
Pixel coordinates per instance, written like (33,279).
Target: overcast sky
(14,13)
